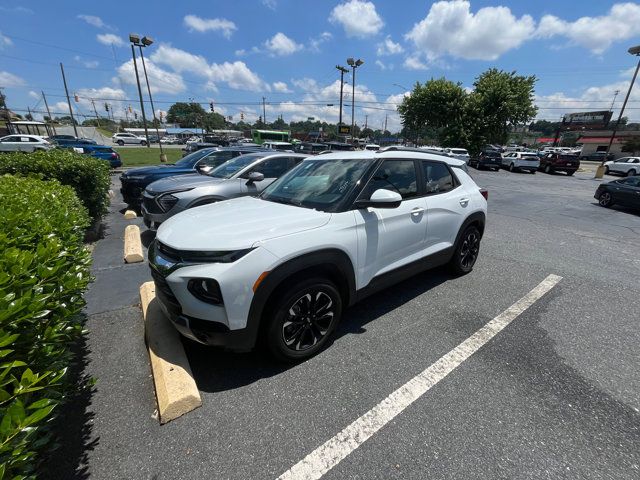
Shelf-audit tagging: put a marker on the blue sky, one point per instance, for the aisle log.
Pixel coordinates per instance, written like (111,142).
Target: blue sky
(235,53)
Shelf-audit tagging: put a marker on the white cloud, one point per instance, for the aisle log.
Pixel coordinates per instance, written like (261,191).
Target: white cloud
(93,21)
(281,87)
(91,63)
(235,74)
(33,94)
(240,52)
(358,18)
(161,81)
(10,80)
(389,47)
(381,65)
(414,63)
(450,28)
(307,84)
(280,45)
(110,39)
(195,23)
(272,4)
(5,41)
(316,42)
(595,33)
(18,9)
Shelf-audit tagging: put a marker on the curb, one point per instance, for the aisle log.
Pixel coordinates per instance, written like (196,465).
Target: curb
(130,215)
(132,245)
(176,390)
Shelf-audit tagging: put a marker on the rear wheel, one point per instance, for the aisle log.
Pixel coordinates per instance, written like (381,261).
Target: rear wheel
(631,173)
(606,169)
(120,142)
(143,143)
(605,199)
(548,169)
(571,172)
(512,168)
(304,318)
(466,253)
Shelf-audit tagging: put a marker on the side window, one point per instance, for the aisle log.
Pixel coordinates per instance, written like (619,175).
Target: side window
(273,167)
(437,177)
(25,139)
(217,158)
(395,175)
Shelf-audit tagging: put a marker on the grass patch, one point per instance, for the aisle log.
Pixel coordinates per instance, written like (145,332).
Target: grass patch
(138,156)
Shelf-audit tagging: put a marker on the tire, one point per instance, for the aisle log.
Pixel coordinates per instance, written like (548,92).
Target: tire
(466,252)
(143,143)
(605,199)
(532,172)
(570,173)
(606,169)
(548,169)
(631,172)
(290,344)
(120,142)
(512,168)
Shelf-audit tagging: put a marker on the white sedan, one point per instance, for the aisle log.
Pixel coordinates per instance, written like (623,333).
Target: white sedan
(625,166)
(519,161)
(23,143)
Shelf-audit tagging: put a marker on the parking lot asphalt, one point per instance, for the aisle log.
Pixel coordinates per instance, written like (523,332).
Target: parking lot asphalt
(554,395)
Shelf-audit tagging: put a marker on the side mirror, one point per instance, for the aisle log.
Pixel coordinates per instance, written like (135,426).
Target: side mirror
(255,177)
(381,198)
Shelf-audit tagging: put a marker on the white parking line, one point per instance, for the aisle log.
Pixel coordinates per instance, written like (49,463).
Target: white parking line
(333,451)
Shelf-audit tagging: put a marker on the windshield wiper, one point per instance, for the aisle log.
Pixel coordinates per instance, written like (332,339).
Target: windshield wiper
(284,201)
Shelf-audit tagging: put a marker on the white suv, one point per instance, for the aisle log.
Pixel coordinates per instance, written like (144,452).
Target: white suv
(128,138)
(281,268)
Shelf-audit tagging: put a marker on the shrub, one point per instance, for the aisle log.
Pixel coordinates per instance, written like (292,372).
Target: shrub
(44,269)
(88,176)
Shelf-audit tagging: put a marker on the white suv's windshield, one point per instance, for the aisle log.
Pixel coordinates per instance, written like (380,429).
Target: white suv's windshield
(319,184)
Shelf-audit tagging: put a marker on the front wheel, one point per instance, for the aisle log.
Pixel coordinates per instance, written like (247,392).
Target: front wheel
(466,252)
(631,173)
(605,199)
(606,169)
(143,143)
(304,318)
(120,142)
(570,173)
(548,169)
(512,168)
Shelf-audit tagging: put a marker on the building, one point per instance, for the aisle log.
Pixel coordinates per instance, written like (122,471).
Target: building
(598,140)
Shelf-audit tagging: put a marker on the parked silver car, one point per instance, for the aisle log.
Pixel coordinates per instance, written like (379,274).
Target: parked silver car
(244,175)
(128,139)
(23,143)
(623,166)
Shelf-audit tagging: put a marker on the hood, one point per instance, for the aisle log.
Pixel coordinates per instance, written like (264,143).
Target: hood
(156,169)
(181,182)
(236,224)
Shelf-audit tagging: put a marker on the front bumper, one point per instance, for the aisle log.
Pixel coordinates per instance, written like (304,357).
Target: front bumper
(131,191)
(497,163)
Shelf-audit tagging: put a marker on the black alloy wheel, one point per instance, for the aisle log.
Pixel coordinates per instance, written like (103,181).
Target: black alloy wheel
(605,199)
(466,252)
(304,320)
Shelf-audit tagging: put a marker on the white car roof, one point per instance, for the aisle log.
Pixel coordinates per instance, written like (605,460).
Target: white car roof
(371,154)
(39,137)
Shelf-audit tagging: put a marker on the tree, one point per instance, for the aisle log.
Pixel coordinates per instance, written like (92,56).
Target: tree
(280,124)
(188,115)
(632,145)
(65,120)
(506,100)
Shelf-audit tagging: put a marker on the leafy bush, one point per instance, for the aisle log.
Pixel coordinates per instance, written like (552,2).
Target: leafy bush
(88,176)
(44,269)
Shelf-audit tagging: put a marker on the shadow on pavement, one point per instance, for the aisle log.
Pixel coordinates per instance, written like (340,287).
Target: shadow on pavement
(71,429)
(216,370)
(147,236)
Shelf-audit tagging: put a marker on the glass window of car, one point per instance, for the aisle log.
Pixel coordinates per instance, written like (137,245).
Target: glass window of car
(191,159)
(272,167)
(395,175)
(215,159)
(318,184)
(631,181)
(231,167)
(437,177)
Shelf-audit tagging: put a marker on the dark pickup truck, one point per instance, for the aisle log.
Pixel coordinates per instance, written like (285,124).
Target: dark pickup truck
(559,162)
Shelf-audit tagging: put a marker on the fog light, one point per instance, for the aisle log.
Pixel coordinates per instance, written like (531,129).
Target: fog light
(206,289)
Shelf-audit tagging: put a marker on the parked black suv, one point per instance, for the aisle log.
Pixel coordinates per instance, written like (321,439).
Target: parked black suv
(487,159)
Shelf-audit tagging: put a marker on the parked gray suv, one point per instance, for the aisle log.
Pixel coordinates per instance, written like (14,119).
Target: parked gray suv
(244,175)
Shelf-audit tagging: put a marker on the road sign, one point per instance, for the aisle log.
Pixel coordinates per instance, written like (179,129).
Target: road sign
(344,129)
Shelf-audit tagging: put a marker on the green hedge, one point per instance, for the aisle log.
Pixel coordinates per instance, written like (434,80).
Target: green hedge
(88,176)
(44,270)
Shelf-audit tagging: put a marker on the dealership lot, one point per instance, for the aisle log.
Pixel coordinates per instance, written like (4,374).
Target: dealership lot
(554,395)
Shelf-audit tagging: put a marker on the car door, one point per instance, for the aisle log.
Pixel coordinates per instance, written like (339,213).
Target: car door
(389,238)
(619,166)
(447,205)
(628,192)
(7,144)
(215,159)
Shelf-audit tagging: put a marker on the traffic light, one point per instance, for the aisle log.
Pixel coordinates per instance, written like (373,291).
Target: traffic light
(161,115)
(106,107)
(242,116)
(211,105)
(135,115)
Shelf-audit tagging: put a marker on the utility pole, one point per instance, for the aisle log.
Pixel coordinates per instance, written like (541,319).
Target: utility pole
(96,112)
(48,112)
(354,64)
(342,71)
(615,94)
(163,157)
(29,112)
(66,91)
(264,112)
(366,119)
(144,118)
(386,117)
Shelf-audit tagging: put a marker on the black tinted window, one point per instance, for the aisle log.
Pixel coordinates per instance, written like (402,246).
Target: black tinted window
(217,158)
(437,177)
(273,167)
(395,175)
(631,181)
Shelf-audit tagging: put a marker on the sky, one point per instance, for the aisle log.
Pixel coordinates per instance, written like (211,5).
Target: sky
(235,53)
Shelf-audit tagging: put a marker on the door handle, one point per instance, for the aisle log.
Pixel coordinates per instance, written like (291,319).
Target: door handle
(417,210)
(464,202)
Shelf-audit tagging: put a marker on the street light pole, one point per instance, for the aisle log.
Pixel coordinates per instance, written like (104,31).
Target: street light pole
(135,39)
(146,41)
(633,51)
(354,64)
(342,71)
